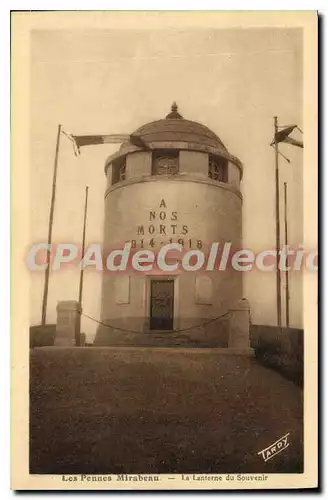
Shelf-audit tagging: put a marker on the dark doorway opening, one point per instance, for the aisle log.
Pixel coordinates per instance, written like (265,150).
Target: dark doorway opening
(161,304)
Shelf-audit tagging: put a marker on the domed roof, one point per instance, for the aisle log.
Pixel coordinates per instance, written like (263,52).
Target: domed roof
(174,128)
(174,132)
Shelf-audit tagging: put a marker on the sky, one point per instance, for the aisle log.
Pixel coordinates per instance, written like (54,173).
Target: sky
(95,81)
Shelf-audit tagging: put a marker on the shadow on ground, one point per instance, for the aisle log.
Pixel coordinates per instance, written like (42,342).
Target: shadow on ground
(144,410)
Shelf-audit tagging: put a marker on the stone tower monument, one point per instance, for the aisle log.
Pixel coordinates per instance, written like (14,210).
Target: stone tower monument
(175,183)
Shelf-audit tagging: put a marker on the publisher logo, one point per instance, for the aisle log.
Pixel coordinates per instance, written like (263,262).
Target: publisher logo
(275,448)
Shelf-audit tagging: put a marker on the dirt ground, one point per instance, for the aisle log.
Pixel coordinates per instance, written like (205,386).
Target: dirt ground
(143,410)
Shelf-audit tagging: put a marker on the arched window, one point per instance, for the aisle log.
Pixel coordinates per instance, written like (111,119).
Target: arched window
(118,171)
(218,169)
(165,162)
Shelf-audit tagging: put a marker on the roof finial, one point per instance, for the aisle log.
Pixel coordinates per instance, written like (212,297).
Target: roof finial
(174,115)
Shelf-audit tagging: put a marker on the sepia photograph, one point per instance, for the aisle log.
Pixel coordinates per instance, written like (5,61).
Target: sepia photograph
(169,250)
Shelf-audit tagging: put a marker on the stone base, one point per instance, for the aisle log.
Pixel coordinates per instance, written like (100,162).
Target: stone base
(63,341)
(68,323)
(239,322)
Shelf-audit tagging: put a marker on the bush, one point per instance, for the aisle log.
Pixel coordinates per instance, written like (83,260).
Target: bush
(42,335)
(280,349)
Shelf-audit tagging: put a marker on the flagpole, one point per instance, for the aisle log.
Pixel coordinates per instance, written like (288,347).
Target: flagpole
(278,274)
(51,220)
(286,245)
(83,244)
(78,331)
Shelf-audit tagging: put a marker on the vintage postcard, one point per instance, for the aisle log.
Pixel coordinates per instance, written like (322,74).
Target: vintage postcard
(164,250)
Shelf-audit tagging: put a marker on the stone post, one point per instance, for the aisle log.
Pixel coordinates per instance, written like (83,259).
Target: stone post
(68,323)
(239,323)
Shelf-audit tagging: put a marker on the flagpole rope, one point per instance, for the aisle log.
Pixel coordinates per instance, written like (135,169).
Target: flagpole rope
(279,152)
(137,331)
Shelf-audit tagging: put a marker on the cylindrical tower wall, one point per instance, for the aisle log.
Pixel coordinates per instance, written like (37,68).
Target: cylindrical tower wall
(156,211)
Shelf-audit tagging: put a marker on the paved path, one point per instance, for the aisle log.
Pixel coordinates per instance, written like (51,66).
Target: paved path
(144,410)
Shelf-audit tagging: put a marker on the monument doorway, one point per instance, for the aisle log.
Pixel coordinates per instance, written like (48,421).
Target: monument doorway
(161,312)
